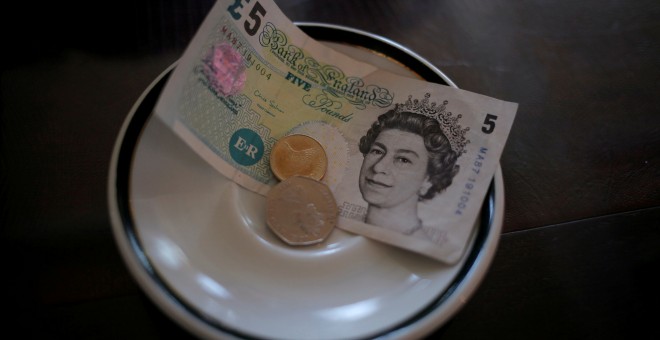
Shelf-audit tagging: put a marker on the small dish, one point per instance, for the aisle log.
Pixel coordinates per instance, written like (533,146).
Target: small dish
(198,244)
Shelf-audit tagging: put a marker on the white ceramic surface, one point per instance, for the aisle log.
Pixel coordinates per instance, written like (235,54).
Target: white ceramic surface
(198,245)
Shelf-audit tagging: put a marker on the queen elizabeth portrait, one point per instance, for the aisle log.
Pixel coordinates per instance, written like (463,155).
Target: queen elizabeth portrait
(410,155)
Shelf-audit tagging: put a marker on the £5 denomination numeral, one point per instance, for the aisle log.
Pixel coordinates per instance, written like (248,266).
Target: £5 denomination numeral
(489,123)
(253,23)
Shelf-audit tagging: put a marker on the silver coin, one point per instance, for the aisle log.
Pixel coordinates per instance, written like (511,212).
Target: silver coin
(301,211)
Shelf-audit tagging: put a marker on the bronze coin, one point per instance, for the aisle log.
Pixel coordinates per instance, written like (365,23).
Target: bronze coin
(301,211)
(298,155)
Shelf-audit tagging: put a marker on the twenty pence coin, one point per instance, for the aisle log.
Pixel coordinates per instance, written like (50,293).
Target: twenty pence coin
(298,155)
(301,211)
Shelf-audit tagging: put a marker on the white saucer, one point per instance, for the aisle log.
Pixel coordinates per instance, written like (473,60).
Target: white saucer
(198,245)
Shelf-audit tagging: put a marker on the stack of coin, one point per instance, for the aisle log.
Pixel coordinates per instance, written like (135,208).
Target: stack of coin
(300,209)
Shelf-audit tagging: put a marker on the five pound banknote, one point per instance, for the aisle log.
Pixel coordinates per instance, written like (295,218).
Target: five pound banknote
(409,161)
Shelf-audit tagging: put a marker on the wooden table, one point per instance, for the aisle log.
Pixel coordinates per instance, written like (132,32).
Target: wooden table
(580,249)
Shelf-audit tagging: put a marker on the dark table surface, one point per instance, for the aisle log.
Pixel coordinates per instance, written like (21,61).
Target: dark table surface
(580,248)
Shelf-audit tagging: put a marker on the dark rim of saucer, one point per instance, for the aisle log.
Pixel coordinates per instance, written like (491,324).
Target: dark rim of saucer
(325,32)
